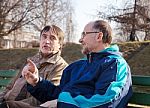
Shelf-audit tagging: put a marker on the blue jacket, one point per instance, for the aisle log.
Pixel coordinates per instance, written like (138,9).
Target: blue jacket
(101,80)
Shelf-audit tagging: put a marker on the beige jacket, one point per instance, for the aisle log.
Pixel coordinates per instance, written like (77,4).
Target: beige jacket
(50,68)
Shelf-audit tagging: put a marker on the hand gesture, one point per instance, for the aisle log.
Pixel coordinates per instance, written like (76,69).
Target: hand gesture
(30,73)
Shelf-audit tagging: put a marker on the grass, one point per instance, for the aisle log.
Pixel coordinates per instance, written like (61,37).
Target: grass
(72,52)
(14,58)
(141,62)
(136,53)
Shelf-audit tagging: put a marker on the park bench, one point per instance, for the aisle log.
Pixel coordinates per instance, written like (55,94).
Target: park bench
(141,87)
(6,77)
(141,92)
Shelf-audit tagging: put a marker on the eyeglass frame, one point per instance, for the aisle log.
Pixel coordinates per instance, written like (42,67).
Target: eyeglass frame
(83,34)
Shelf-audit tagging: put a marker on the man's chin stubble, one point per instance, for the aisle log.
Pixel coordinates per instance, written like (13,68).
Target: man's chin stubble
(85,51)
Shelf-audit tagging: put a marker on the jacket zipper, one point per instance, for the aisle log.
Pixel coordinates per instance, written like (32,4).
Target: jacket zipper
(90,58)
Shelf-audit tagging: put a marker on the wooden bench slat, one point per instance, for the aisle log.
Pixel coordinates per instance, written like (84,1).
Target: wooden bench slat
(5,82)
(141,90)
(141,80)
(6,77)
(140,98)
(1,89)
(7,73)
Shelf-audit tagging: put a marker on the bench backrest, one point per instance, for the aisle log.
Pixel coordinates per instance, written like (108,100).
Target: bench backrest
(141,90)
(6,77)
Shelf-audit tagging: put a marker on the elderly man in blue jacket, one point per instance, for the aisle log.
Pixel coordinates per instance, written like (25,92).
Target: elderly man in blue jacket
(100,80)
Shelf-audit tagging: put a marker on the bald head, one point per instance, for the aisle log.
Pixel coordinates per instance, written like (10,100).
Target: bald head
(104,27)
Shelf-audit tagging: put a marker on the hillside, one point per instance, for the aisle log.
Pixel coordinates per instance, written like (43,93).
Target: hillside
(14,58)
(137,55)
(140,63)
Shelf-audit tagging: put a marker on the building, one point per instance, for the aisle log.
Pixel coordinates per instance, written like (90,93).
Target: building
(22,36)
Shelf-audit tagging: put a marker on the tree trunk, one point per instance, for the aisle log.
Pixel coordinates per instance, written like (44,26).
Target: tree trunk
(147,35)
(132,36)
(1,42)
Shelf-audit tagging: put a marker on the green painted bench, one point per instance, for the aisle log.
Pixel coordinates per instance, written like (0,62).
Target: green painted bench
(6,77)
(141,91)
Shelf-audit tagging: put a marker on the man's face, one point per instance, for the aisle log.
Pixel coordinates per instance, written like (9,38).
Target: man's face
(49,42)
(88,39)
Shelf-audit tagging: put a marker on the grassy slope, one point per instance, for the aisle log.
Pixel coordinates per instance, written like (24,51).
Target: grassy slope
(140,63)
(14,58)
(137,54)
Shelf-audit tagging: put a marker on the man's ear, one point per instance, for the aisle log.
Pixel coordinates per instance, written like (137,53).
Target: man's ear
(99,36)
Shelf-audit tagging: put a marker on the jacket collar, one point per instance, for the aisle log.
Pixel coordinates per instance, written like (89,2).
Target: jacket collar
(112,50)
(52,58)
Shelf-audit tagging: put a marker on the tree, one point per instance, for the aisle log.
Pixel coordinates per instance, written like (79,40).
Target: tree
(14,15)
(17,15)
(132,18)
(50,12)
(69,23)
(58,12)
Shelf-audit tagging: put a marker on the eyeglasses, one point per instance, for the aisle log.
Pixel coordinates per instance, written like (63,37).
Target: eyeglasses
(83,34)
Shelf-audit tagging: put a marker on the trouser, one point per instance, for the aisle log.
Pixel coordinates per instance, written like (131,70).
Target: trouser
(17,104)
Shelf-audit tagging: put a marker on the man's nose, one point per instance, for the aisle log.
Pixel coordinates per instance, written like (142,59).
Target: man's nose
(47,40)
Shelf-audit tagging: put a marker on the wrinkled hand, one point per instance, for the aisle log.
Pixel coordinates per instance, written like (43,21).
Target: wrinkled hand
(30,73)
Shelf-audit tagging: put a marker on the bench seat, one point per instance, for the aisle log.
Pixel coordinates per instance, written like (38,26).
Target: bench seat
(6,77)
(141,91)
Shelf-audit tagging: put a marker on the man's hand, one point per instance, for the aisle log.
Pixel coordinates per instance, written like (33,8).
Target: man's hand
(30,73)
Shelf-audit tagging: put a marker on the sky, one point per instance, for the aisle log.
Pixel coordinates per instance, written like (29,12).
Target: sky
(85,11)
